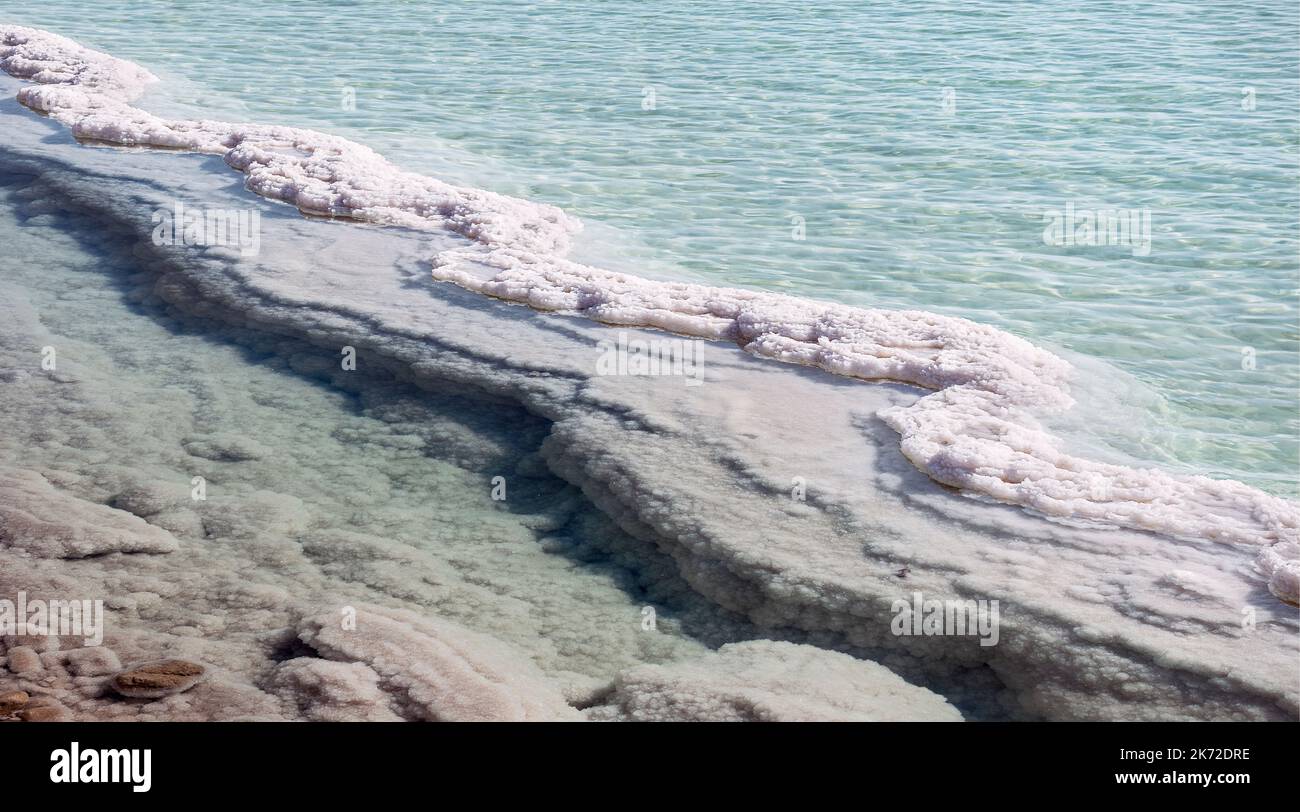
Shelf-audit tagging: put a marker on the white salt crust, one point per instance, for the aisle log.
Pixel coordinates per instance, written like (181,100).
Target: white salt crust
(770,681)
(1280,564)
(45,523)
(976,432)
(435,670)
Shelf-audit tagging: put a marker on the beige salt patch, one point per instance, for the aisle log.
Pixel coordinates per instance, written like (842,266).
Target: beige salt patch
(48,523)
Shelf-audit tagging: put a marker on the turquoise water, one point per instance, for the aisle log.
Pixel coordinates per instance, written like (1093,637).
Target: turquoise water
(916,146)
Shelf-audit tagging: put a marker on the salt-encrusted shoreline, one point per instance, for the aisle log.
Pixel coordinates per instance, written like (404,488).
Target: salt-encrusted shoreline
(232,607)
(976,432)
(1096,624)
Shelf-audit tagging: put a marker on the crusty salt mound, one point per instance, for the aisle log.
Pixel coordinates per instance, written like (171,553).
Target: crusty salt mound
(1280,564)
(432,670)
(977,431)
(770,681)
(46,523)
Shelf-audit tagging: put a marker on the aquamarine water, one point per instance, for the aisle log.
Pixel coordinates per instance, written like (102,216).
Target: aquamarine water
(914,148)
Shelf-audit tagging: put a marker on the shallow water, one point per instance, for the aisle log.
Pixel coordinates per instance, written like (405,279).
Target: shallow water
(368,490)
(904,201)
(337,483)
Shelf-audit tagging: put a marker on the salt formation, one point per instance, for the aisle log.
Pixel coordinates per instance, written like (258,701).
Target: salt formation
(36,708)
(91,661)
(376,494)
(433,670)
(1280,564)
(768,681)
(333,691)
(977,432)
(36,517)
(342,509)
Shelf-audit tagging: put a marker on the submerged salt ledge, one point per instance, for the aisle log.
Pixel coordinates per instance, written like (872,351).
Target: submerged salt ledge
(976,432)
(1095,624)
(201,600)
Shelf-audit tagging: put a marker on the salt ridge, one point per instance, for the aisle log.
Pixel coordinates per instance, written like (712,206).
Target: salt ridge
(976,431)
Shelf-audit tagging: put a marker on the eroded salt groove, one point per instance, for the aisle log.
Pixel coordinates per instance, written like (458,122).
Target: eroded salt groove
(977,431)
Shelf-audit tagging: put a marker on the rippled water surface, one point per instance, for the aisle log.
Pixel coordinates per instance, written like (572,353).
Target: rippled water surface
(915,149)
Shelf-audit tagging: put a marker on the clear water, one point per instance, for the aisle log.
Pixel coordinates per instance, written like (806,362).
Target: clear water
(910,195)
(356,484)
